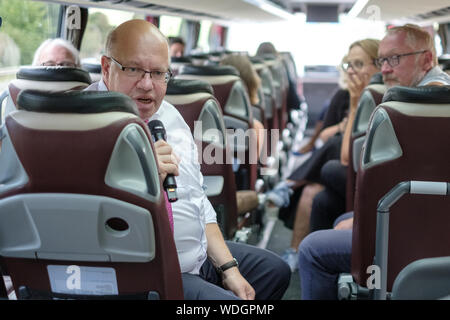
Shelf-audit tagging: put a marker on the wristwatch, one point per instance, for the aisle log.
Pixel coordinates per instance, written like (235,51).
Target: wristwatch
(226,266)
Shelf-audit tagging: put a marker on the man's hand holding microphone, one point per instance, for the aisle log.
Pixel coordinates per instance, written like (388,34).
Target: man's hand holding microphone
(167,160)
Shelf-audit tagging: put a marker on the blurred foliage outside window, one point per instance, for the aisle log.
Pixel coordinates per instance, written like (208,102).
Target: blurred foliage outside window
(26,24)
(100,23)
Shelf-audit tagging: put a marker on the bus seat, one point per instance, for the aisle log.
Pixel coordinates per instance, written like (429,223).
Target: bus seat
(195,101)
(281,85)
(232,96)
(370,99)
(94,69)
(406,140)
(82,214)
(198,59)
(267,97)
(46,79)
(444,62)
(268,93)
(227,87)
(298,115)
(424,279)
(280,81)
(177,62)
(216,56)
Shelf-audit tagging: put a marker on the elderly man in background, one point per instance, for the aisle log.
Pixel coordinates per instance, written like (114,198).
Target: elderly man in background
(406,57)
(56,52)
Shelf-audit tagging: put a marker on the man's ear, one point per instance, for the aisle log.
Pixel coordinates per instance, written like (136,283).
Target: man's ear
(428,60)
(106,64)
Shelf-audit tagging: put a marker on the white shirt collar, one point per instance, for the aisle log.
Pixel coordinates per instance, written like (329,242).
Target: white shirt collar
(102,85)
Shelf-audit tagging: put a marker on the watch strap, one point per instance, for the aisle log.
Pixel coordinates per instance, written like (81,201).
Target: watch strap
(226,266)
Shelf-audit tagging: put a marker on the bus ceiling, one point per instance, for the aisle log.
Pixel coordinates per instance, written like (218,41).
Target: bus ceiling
(223,12)
(233,11)
(402,11)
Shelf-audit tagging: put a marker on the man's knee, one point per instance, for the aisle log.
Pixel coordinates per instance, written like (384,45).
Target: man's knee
(282,269)
(330,168)
(306,249)
(264,270)
(320,201)
(196,288)
(334,176)
(311,190)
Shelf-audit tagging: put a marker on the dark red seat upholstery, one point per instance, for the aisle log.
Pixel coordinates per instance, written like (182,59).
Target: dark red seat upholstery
(281,86)
(82,194)
(370,99)
(45,79)
(231,94)
(195,101)
(267,96)
(406,140)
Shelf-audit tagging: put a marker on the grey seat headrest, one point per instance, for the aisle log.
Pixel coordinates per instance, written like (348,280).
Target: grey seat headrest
(76,102)
(54,74)
(426,94)
(210,70)
(185,86)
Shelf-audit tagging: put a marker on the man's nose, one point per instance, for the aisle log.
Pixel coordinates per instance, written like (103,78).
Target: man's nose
(385,67)
(146,82)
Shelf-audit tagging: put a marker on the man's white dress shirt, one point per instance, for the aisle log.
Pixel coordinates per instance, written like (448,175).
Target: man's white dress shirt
(192,211)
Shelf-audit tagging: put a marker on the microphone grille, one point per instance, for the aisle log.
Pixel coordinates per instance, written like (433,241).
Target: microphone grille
(155,125)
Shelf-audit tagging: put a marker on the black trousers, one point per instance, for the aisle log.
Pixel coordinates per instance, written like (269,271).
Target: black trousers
(266,272)
(330,202)
(310,171)
(311,168)
(334,176)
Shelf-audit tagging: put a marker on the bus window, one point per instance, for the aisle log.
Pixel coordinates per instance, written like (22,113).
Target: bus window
(217,37)
(100,23)
(203,39)
(25,25)
(170,26)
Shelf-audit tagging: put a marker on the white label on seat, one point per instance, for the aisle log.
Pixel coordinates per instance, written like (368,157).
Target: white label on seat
(74,279)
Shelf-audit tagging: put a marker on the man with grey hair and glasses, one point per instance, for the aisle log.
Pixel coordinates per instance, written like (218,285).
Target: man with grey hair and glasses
(406,57)
(56,52)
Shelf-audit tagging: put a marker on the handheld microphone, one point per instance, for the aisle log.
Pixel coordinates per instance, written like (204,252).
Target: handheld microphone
(170,185)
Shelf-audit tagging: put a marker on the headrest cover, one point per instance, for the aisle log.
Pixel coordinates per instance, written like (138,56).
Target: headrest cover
(444,61)
(53,74)
(256,59)
(75,102)
(198,56)
(210,70)
(267,56)
(184,86)
(445,58)
(426,94)
(92,67)
(377,78)
(181,59)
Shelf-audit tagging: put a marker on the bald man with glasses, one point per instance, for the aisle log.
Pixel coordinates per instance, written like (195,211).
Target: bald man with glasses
(136,63)
(407,57)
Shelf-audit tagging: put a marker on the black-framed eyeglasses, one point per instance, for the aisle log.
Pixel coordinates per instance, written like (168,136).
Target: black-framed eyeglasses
(59,64)
(394,60)
(355,65)
(138,73)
